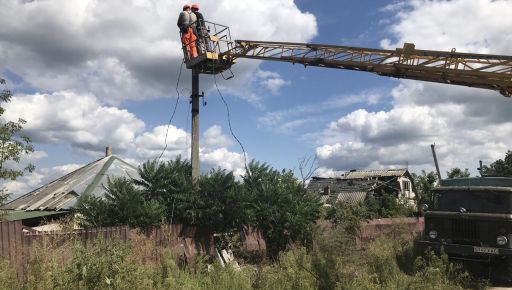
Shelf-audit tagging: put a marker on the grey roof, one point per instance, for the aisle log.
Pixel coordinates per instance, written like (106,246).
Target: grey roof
(338,185)
(63,193)
(14,215)
(346,197)
(375,173)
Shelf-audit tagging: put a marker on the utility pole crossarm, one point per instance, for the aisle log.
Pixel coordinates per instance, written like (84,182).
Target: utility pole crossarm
(485,71)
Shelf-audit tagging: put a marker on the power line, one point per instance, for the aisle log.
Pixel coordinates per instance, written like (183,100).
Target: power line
(174,110)
(229,122)
(186,128)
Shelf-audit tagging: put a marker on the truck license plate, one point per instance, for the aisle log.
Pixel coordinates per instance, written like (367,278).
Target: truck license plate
(485,250)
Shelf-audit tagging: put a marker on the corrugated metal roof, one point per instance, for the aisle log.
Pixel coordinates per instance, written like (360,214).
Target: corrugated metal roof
(351,197)
(346,197)
(23,215)
(374,173)
(337,185)
(63,193)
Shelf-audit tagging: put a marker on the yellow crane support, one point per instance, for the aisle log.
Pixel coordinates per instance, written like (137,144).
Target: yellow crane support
(217,53)
(484,71)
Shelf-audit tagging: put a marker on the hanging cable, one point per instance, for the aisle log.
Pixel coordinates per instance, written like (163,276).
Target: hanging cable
(174,110)
(186,128)
(229,122)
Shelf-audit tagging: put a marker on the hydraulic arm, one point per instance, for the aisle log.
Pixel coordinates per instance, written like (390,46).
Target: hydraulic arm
(485,71)
(217,53)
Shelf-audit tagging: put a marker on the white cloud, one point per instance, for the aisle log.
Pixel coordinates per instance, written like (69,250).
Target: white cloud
(76,118)
(150,145)
(272,81)
(224,159)
(213,138)
(328,172)
(121,50)
(478,26)
(81,121)
(213,152)
(466,124)
(275,84)
(288,120)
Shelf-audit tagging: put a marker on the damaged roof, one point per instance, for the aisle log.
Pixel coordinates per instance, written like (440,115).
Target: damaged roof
(337,185)
(375,173)
(354,186)
(63,193)
(345,197)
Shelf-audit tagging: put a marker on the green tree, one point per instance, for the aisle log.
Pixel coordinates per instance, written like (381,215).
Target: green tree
(169,184)
(93,211)
(500,167)
(13,144)
(458,173)
(280,207)
(221,203)
(122,204)
(272,201)
(215,201)
(425,183)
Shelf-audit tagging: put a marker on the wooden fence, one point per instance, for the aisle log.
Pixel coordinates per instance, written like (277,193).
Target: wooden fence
(15,240)
(378,227)
(187,240)
(11,239)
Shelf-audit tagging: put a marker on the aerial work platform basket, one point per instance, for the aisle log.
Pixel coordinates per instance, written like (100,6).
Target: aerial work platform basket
(212,44)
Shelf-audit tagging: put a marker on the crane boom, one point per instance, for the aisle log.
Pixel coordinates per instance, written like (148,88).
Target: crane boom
(485,71)
(217,53)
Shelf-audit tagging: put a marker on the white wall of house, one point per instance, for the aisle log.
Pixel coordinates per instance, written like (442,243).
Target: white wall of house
(406,188)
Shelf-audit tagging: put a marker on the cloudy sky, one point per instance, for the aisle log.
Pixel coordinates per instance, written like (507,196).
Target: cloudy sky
(88,73)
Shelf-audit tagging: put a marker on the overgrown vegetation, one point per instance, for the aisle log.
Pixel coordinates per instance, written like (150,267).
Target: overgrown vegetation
(458,173)
(335,262)
(309,246)
(425,184)
(500,167)
(270,200)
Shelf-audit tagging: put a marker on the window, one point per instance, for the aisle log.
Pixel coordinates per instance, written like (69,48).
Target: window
(407,185)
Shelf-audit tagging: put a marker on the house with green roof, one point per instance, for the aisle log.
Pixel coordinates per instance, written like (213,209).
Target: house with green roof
(57,198)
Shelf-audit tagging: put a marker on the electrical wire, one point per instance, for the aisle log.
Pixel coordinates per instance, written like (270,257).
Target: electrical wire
(174,110)
(230,127)
(186,128)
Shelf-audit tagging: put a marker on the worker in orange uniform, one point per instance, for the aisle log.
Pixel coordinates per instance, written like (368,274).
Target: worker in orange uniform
(186,22)
(201,29)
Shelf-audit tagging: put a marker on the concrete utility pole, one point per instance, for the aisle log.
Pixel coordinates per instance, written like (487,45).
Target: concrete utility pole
(194,158)
(433,147)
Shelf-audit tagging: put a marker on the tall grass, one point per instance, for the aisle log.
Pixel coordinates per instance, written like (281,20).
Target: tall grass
(335,262)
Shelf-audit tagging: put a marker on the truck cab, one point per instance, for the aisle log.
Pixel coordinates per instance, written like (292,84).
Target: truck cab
(471,219)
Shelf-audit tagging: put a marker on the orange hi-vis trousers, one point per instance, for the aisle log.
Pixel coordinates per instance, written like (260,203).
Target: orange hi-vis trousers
(189,41)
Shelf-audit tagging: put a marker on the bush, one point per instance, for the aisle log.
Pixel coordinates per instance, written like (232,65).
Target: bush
(122,204)
(280,207)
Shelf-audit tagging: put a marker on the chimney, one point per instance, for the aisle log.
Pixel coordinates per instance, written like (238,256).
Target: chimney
(108,151)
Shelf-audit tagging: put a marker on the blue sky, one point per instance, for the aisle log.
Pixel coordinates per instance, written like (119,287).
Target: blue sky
(87,74)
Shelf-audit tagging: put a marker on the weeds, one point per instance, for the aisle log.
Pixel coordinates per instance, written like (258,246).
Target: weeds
(334,262)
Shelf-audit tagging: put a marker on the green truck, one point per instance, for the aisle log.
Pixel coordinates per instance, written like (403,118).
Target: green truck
(471,220)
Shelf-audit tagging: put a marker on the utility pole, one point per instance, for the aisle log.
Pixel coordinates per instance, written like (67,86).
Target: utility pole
(433,147)
(194,158)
